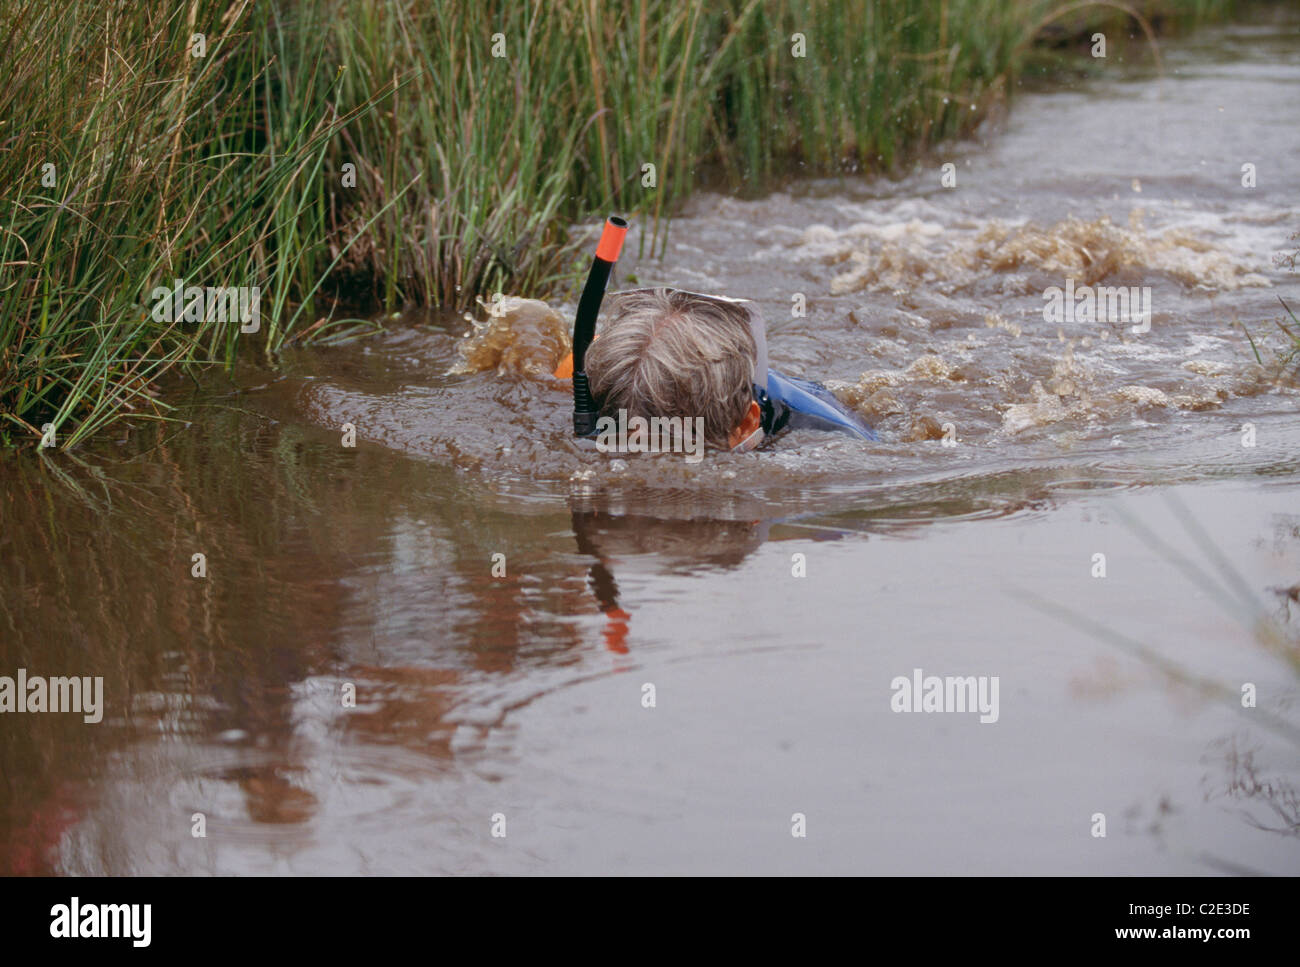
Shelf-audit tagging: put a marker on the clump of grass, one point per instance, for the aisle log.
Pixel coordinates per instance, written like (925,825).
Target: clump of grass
(128,162)
(1291,358)
(1291,355)
(1285,359)
(373,153)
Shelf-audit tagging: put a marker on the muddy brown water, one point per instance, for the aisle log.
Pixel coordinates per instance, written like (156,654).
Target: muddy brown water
(516,702)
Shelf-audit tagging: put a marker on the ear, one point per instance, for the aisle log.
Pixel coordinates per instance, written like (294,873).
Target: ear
(753,419)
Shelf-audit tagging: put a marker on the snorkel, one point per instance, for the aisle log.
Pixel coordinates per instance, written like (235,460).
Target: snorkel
(584,322)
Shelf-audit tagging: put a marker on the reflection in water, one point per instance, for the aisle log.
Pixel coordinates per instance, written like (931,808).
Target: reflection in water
(329,568)
(494,596)
(686,544)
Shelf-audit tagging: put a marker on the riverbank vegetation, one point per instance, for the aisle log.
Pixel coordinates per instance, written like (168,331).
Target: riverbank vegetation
(349,157)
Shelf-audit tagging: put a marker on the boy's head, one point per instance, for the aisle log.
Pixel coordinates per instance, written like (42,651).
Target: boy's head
(668,353)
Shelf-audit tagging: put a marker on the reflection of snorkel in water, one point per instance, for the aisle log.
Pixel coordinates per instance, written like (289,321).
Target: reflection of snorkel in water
(687,542)
(669,353)
(648,541)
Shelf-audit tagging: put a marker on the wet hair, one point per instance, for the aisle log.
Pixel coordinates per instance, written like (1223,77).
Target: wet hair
(669,353)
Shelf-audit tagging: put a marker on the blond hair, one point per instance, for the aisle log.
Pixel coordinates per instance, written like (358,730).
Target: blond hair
(668,353)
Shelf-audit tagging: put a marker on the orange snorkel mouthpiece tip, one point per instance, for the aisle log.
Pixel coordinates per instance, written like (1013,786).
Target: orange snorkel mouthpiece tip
(611,239)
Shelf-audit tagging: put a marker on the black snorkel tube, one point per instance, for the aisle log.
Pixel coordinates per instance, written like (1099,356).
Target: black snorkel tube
(584,323)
